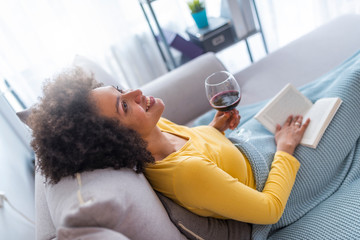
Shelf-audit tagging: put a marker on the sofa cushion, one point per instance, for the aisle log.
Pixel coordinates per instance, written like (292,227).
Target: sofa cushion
(196,227)
(23,115)
(117,200)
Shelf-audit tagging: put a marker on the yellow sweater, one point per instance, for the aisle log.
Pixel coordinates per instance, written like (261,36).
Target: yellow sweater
(210,177)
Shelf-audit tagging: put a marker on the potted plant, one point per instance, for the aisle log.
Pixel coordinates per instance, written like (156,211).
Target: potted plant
(198,12)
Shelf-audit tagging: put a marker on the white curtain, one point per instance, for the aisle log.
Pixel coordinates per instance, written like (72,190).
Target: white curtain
(38,37)
(286,20)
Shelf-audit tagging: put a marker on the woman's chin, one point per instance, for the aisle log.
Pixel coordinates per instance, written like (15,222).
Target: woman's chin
(159,102)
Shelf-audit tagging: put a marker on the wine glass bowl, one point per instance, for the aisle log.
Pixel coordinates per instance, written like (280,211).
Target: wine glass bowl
(224,94)
(222,91)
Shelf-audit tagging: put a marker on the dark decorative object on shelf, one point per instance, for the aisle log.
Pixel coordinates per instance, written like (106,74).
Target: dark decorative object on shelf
(189,49)
(217,36)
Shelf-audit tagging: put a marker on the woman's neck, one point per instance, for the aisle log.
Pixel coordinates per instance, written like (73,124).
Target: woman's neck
(162,144)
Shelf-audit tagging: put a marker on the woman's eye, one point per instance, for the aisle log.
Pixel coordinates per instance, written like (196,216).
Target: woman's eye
(125,106)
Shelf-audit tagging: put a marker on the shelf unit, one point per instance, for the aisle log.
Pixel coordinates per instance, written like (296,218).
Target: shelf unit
(165,49)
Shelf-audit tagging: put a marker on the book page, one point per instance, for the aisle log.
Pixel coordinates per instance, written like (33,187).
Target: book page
(289,101)
(320,116)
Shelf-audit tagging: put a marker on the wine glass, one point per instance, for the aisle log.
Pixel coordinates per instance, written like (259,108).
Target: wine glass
(224,94)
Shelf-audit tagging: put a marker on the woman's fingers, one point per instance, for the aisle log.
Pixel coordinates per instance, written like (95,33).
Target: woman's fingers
(278,128)
(300,119)
(296,121)
(288,120)
(288,136)
(305,125)
(235,119)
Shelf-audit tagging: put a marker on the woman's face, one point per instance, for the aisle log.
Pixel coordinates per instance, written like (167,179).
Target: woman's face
(134,110)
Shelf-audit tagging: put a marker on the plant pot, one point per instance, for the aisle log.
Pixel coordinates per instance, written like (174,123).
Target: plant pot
(200,19)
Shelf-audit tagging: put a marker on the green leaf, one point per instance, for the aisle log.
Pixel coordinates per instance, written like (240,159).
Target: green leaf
(196,5)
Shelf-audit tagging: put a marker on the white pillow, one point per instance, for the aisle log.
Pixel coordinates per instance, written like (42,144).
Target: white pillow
(118,201)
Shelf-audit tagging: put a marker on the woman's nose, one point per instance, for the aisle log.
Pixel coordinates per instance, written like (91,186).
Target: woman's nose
(135,94)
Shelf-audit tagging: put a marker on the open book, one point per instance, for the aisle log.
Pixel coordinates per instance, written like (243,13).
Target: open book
(289,101)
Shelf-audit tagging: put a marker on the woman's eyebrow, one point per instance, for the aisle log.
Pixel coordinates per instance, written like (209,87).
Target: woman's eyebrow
(117,104)
(118,99)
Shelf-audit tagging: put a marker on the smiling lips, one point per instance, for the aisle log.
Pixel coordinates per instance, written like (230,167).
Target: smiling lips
(149,102)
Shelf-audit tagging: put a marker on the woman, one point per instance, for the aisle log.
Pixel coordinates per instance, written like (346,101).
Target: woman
(79,126)
(69,135)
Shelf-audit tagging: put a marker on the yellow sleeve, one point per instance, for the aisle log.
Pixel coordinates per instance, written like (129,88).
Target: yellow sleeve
(200,184)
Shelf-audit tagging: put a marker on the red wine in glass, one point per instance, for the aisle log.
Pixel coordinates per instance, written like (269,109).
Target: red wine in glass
(222,91)
(226,100)
(224,94)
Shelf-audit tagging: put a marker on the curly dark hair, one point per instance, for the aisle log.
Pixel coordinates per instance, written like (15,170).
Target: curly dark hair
(70,136)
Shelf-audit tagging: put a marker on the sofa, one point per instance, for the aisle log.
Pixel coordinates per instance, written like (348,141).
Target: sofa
(109,204)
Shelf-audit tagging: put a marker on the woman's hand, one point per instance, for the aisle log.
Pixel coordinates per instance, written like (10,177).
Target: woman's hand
(290,134)
(225,120)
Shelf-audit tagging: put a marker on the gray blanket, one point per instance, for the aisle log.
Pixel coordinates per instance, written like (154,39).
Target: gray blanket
(325,200)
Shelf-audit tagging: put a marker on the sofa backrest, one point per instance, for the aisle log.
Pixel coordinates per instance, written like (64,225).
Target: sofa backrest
(185,86)
(301,61)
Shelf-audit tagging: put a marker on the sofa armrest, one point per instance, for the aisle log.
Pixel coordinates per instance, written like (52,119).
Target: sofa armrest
(184,86)
(45,229)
